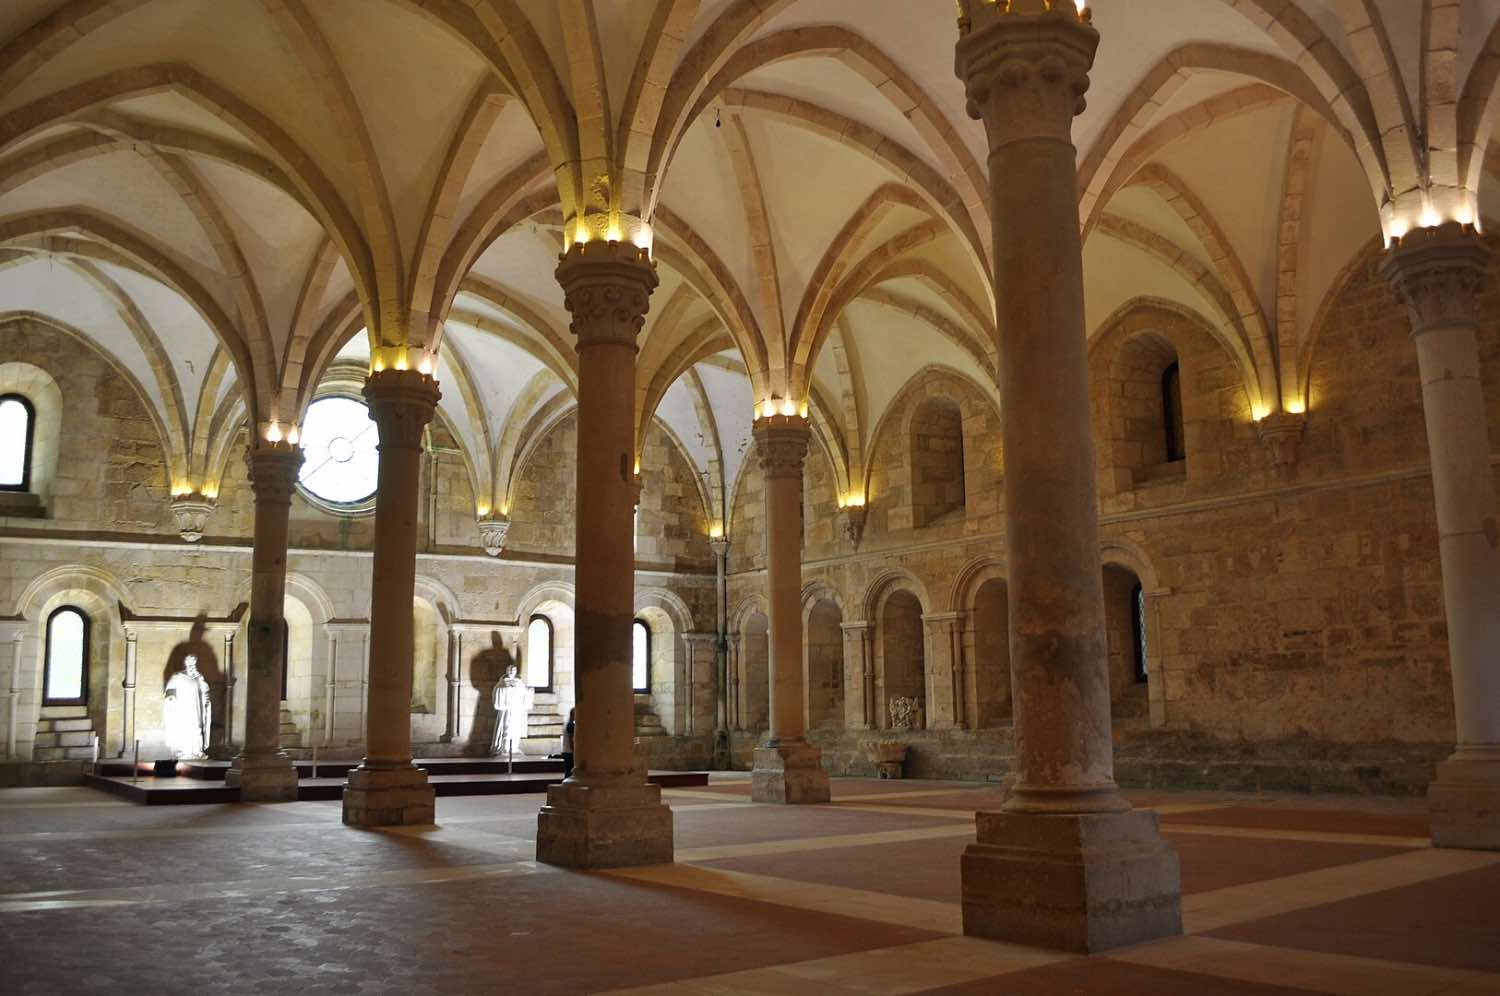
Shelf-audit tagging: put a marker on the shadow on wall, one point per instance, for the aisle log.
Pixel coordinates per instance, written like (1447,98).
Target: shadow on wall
(484,670)
(208,665)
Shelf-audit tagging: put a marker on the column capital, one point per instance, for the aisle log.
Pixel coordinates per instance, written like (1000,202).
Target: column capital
(1437,273)
(782,443)
(607,289)
(719,545)
(402,403)
(1025,66)
(273,469)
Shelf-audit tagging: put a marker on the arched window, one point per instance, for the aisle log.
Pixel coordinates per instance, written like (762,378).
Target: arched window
(640,656)
(538,660)
(938,488)
(66,677)
(17,426)
(1171,413)
(1138,617)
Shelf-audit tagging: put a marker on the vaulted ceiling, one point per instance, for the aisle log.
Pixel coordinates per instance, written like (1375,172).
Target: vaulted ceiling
(223,196)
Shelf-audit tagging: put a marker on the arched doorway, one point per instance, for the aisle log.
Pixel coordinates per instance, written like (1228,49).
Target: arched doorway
(989,671)
(902,670)
(755,674)
(1125,633)
(825,665)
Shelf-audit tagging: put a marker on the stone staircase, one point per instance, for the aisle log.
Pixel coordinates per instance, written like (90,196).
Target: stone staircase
(291,737)
(64,733)
(647,722)
(544,726)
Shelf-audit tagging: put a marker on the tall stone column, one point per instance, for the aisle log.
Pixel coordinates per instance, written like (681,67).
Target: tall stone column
(606,815)
(387,789)
(1067,863)
(720,547)
(1437,273)
(787,768)
(262,770)
(859,675)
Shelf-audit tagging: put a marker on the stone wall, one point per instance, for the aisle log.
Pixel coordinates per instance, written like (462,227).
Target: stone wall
(1289,614)
(110,544)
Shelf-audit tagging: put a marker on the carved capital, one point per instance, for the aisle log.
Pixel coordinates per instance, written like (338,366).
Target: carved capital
(1437,274)
(719,545)
(1025,66)
(492,532)
(402,403)
(1280,432)
(782,443)
(191,512)
(273,469)
(607,289)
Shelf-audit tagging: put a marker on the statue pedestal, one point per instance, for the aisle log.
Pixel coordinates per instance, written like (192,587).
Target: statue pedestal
(789,773)
(1078,882)
(263,777)
(604,826)
(388,795)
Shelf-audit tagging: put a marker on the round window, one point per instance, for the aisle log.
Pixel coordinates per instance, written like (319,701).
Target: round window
(342,454)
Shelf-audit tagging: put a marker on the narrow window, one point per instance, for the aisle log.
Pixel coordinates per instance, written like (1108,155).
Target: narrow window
(66,681)
(640,656)
(1138,617)
(17,425)
(539,653)
(1171,411)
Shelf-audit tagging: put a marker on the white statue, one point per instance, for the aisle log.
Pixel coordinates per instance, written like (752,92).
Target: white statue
(187,711)
(513,698)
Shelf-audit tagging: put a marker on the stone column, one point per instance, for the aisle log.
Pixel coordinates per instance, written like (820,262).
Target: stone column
(387,789)
(734,652)
(787,768)
(859,677)
(606,815)
(1067,864)
(720,547)
(945,691)
(127,686)
(1437,273)
(262,770)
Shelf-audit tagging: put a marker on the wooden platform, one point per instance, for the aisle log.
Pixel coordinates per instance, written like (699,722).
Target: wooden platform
(169,783)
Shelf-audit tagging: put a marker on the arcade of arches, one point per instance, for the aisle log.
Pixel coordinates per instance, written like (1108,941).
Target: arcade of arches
(1076,401)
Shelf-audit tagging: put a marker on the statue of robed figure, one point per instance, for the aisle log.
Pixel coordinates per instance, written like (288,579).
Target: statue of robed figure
(187,712)
(513,699)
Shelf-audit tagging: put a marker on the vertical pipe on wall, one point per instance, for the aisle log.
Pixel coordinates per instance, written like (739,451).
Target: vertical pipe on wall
(127,684)
(329,685)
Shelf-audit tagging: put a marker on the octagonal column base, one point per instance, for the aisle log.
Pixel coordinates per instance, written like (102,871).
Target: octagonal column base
(388,796)
(789,773)
(1463,803)
(604,826)
(1085,883)
(263,777)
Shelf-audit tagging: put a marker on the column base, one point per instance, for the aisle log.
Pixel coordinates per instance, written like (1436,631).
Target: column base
(388,796)
(263,777)
(1084,883)
(1463,803)
(789,773)
(604,826)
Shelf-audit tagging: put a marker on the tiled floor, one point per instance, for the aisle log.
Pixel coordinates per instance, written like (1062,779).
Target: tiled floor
(1281,895)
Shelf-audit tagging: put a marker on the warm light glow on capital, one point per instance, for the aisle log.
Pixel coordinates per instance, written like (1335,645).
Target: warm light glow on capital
(1258,412)
(716,531)
(1296,407)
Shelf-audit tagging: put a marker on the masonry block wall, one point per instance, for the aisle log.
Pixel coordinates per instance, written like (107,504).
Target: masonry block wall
(110,540)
